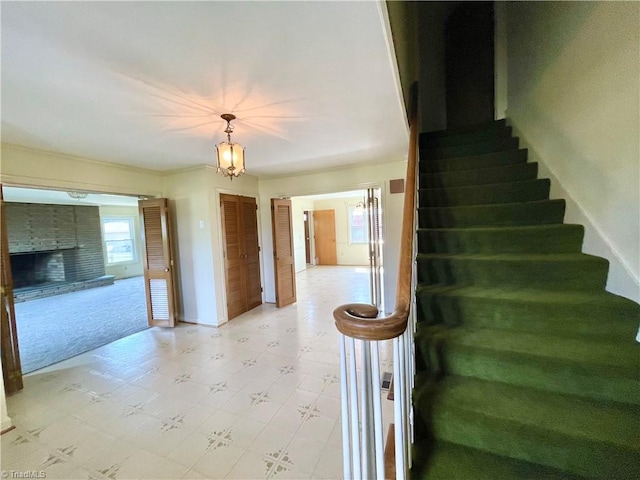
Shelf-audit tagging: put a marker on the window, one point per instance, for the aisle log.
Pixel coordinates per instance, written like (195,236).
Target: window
(358,225)
(119,239)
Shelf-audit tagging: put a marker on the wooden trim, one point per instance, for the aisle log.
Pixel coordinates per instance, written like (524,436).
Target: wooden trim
(360,320)
(390,454)
(9,351)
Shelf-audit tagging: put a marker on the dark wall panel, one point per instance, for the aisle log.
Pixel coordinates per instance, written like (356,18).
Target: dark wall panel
(469,64)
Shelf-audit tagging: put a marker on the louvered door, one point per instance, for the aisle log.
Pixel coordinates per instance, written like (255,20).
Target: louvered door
(251,252)
(241,253)
(158,263)
(233,256)
(285,272)
(11,367)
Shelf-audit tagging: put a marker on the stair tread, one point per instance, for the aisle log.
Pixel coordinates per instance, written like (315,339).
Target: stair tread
(532,295)
(481,170)
(461,163)
(551,238)
(623,359)
(505,228)
(531,212)
(494,205)
(525,257)
(582,418)
(464,188)
(451,461)
(466,129)
(482,176)
(480,147)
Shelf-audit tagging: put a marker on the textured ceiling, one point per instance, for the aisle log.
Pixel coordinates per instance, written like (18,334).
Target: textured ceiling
(313,84)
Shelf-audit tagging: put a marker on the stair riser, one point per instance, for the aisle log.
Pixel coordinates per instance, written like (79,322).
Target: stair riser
(494,125)
(464,138)
(558,275)
(462,463)
(503,174)
(486,194)
(541,240)
(538,213)
(488,146)
(502,437)
(462,163)
(530,317)
(543,374)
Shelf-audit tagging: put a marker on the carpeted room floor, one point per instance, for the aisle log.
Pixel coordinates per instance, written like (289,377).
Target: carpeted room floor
(56,328)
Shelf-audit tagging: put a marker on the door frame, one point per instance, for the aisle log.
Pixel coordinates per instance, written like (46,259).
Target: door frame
(94,189)
(293,191)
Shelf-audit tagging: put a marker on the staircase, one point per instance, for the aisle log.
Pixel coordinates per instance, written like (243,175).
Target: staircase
(528,368)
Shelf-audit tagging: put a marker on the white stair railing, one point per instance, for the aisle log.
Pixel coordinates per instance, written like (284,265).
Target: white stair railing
(361,334)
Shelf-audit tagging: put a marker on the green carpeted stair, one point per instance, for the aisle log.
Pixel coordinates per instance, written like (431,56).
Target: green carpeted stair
(528,368)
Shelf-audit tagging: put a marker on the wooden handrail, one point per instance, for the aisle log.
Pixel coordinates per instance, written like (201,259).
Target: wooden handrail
(359,320)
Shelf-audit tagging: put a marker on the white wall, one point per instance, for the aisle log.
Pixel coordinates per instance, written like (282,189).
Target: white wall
(501,76)
(573,97)
(195,205)
(127,269)
(346,253)
(298,207)
(356,178)
(38,168)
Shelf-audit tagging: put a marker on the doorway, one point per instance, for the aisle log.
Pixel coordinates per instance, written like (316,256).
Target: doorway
(77,271)
(469,64)
(340,229)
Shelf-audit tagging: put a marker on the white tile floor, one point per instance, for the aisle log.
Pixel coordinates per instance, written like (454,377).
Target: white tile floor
(256,398)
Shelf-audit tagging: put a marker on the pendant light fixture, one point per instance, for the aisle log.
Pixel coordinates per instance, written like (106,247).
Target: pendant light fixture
(77,195)
(230,155)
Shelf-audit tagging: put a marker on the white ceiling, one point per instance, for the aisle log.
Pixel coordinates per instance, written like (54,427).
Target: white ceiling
(313,84)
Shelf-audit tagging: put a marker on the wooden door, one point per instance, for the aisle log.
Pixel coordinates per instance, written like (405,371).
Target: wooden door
(11,367)
(158,262)
(241,253)
(283,252)
(251,252)
(324,226)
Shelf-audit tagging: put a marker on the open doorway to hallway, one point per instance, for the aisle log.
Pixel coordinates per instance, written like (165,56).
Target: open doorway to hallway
(76,263)
(341,228)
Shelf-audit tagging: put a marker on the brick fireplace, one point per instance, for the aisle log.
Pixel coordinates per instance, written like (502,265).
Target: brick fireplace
(54,249)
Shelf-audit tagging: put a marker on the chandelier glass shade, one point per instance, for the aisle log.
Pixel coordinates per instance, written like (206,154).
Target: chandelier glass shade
(230,155)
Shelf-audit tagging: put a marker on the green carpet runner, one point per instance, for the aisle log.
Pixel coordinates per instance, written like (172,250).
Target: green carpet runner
(528,368)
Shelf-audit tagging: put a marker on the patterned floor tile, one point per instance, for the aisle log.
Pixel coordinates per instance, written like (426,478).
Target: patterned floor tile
(255,398)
